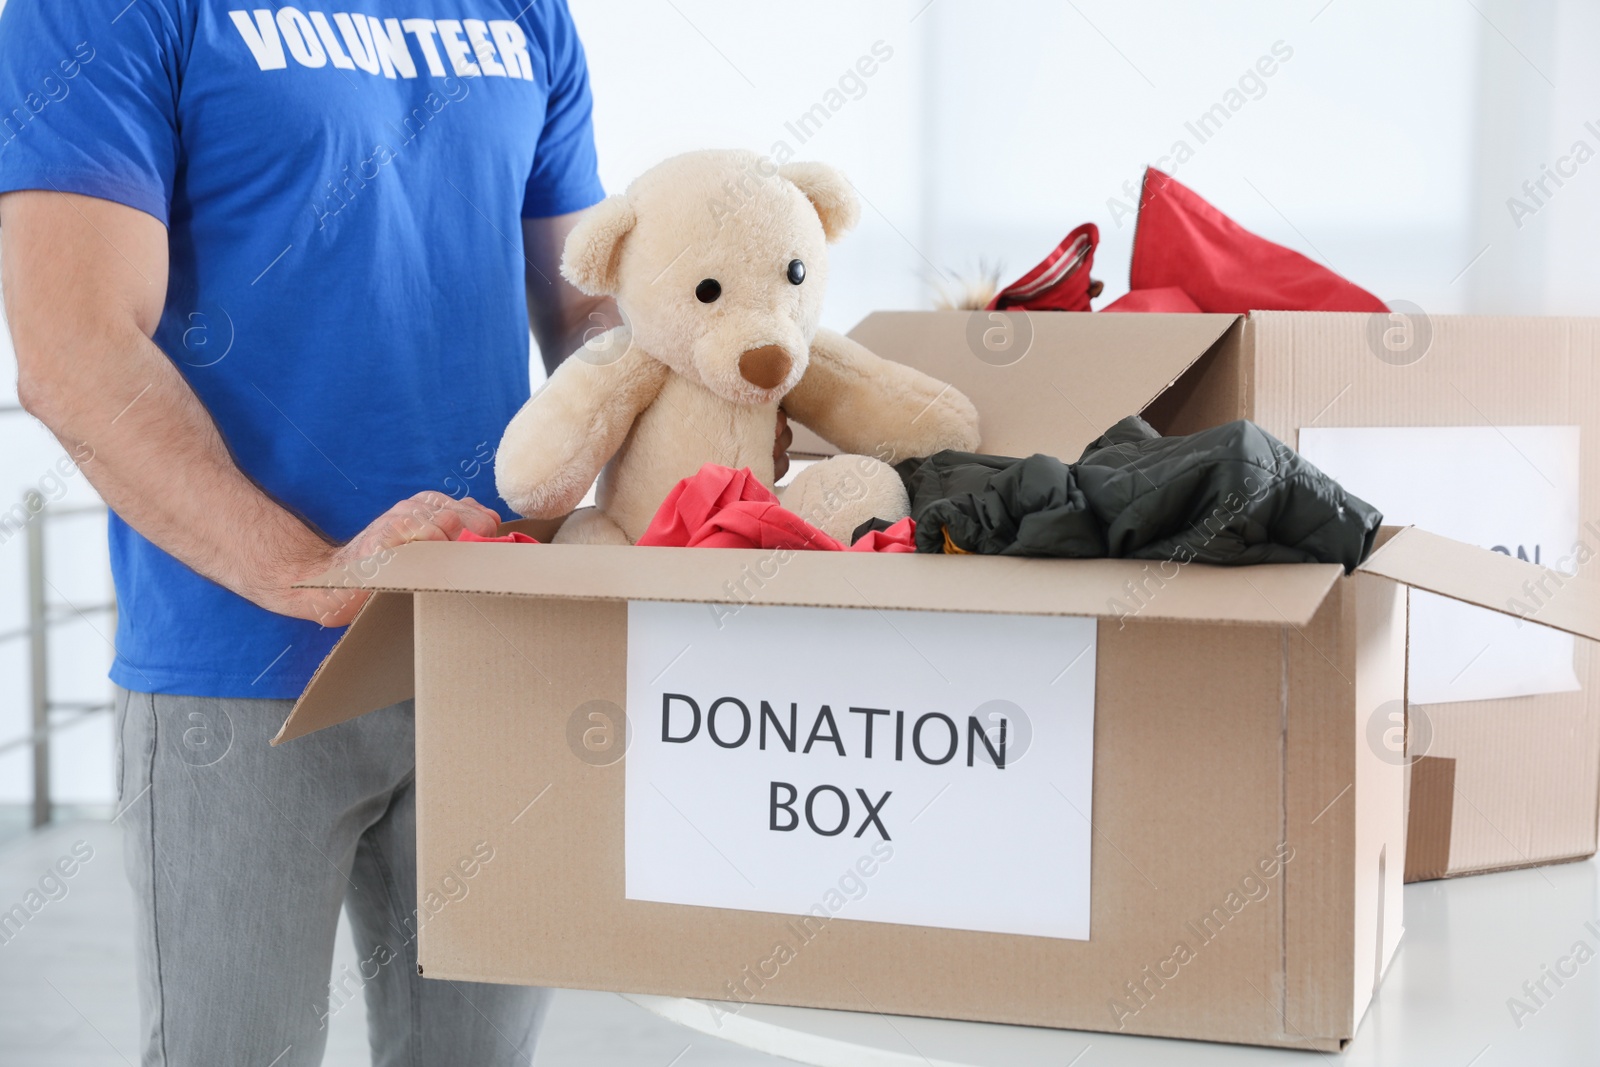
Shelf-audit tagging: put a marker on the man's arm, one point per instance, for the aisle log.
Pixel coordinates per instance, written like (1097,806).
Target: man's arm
(561,317)
(85,281)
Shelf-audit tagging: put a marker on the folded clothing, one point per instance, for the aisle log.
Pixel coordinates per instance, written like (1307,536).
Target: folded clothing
(1233,494)
(720,507)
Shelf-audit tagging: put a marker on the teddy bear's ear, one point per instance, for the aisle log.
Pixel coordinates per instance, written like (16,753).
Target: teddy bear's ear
(830,192)
(589,260)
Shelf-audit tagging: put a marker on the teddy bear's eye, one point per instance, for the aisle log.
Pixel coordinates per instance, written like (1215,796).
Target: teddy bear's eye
(708,290)
(797,272)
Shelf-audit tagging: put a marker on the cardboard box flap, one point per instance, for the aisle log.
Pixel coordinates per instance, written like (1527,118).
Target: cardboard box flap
(726,579)
(371,667)
(1492,580)
(1046,382)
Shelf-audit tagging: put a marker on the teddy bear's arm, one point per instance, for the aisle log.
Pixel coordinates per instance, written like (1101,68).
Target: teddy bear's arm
(556,445)
(861,402)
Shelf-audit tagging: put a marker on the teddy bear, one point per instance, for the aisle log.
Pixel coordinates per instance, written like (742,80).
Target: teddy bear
(718,264)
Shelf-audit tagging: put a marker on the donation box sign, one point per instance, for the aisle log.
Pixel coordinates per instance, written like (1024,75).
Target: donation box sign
(926,768)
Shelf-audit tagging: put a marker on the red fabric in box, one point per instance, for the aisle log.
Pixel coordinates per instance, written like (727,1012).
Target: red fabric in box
(725,508)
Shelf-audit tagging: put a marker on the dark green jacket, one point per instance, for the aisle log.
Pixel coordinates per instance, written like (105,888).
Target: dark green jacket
(1231,495)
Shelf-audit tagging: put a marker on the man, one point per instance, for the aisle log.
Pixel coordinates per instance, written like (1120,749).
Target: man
(265,269)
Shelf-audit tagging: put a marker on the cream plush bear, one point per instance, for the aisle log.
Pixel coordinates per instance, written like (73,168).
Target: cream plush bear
(718,262)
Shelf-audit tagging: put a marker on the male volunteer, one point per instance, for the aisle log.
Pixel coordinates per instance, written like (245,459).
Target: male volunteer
(264,269)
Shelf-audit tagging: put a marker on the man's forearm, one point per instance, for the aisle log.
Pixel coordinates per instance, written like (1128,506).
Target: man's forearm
(157,459)
(561,327)
(561,317)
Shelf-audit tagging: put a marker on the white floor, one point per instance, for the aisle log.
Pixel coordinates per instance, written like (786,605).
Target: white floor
(67,997)
(1470,945)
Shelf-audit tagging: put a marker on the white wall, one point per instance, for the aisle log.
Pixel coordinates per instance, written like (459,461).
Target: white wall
(1387,146)
(76,570)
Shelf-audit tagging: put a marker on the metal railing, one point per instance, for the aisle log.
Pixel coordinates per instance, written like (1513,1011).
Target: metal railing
(47,716)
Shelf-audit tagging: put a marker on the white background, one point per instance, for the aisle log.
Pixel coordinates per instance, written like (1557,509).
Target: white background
(975,848)
(1509,486)
(1387,147)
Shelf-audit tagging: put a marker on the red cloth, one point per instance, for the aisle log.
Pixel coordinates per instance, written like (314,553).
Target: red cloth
(512,538)
(1169,300)
(901,537)
(725,508)
(1060,283)
(1183,242)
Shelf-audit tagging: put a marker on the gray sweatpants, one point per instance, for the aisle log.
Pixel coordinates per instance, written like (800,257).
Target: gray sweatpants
(240,856)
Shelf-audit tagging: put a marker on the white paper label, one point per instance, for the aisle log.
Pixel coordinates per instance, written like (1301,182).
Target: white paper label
(937,772)
(1512,489)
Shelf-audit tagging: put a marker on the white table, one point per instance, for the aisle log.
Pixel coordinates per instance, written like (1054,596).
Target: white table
(1469,945)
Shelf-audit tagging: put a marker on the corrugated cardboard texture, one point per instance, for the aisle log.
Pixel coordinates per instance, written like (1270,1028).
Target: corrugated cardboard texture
(1214,391)
(1343,806)
(1527,769)
(370,668)
(1491,580)
(1433,794)
(726,578)
(1192,774)
(1319,820)
(371,665)
(1073,375)
(1380,792)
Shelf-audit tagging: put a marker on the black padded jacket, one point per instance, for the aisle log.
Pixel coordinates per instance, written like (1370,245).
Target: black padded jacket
(1233,494)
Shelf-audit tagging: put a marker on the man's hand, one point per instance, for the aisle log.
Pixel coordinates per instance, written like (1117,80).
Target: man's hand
(425,517)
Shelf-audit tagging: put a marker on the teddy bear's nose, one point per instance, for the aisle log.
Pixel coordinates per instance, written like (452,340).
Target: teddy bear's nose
(764,367)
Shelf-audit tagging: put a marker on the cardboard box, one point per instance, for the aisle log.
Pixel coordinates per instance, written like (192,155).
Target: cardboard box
(1242,847)
(1495,783)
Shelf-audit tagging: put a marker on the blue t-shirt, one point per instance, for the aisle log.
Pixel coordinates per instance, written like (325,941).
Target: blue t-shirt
(343,193)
